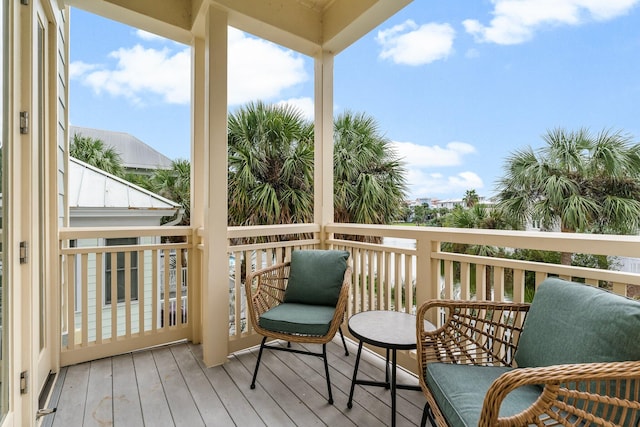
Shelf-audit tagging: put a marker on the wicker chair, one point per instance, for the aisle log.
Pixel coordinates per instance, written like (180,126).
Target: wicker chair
(586,371)
(300,301)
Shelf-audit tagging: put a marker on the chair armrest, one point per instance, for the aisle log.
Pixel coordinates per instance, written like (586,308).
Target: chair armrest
(472,332)
(341,304)
(602,393)
(265,288)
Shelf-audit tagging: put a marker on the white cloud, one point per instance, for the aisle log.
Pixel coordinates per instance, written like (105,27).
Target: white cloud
(410,44)
(257,70)
(422,156)
(516,21)
(437,185)
(420,162)
(78,68)
(304,104)
(138,72)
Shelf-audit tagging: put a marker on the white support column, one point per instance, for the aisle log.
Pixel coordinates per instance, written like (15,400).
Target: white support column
(323,151)
(215,289)
(198,182)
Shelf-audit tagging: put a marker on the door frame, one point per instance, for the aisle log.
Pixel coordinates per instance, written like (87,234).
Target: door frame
(44,241)
(32,206)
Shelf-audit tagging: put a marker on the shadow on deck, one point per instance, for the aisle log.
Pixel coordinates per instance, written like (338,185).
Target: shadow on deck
(169,386)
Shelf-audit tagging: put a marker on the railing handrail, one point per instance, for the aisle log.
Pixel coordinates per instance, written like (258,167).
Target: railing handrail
(607,244)
(271,230)
(67,233)
(122,248)
(559,269)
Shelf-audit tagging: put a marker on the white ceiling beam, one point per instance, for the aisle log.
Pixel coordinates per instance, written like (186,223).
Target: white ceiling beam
(305,26)
(172,20)
(347,21)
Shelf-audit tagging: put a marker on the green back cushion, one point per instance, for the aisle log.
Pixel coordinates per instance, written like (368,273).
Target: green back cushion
(316,277)
(574,323)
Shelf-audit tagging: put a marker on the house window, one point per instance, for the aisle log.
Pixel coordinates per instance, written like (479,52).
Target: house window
(120,270)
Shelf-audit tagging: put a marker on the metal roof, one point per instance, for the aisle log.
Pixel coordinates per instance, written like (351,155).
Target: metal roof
(90,187)
(135,154)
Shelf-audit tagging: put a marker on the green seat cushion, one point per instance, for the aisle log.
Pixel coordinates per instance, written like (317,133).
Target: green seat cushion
(300,319)
(574,323)
(459,391)
(316,276)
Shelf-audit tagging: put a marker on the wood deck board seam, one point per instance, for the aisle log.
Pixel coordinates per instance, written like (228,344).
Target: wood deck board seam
(197,356)
(156,386)
(259,398)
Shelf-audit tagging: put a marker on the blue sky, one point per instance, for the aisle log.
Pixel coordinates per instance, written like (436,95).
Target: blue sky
(457,85)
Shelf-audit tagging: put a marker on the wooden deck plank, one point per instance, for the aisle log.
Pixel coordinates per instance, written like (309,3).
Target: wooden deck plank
(170,386)
(99,408)
(155,408)
(270,398)
(204,395)
(72,401)
(298,365)
(370,403)
(409,402)
(237,406)
(127,409)
(181,404)
(340,385)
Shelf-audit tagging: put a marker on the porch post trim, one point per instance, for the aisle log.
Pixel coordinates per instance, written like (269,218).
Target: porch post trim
(215,298)
(323,143)
(198,183)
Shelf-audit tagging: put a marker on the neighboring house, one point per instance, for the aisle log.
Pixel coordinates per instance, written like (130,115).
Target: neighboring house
(99,199)
(137,157)
(452,203)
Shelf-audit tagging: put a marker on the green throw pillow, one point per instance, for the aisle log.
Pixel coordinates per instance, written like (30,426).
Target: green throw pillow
(316,276)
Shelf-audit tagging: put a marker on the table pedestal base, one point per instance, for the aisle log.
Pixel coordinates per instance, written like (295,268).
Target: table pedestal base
(386,384)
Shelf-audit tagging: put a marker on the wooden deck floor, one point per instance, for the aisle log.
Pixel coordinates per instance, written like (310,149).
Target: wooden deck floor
(169,386)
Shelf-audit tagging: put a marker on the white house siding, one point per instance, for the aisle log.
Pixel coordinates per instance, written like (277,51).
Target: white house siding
(63,113)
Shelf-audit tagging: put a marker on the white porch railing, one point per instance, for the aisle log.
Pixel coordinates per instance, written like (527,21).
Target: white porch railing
(173,311)
(113,296)
(405,267)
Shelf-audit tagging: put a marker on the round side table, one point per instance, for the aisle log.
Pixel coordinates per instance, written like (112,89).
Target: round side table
(391,330)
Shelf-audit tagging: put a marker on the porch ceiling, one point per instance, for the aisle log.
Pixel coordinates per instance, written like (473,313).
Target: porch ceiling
(306,26)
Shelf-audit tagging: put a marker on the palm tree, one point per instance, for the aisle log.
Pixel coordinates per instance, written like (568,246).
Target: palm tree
(369,179)
(577,182)
(270,166)
(175,184)
(94,152)
(478,216)
(139,179)
(470,198)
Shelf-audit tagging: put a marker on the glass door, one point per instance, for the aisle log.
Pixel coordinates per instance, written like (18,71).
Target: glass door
(40,139)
